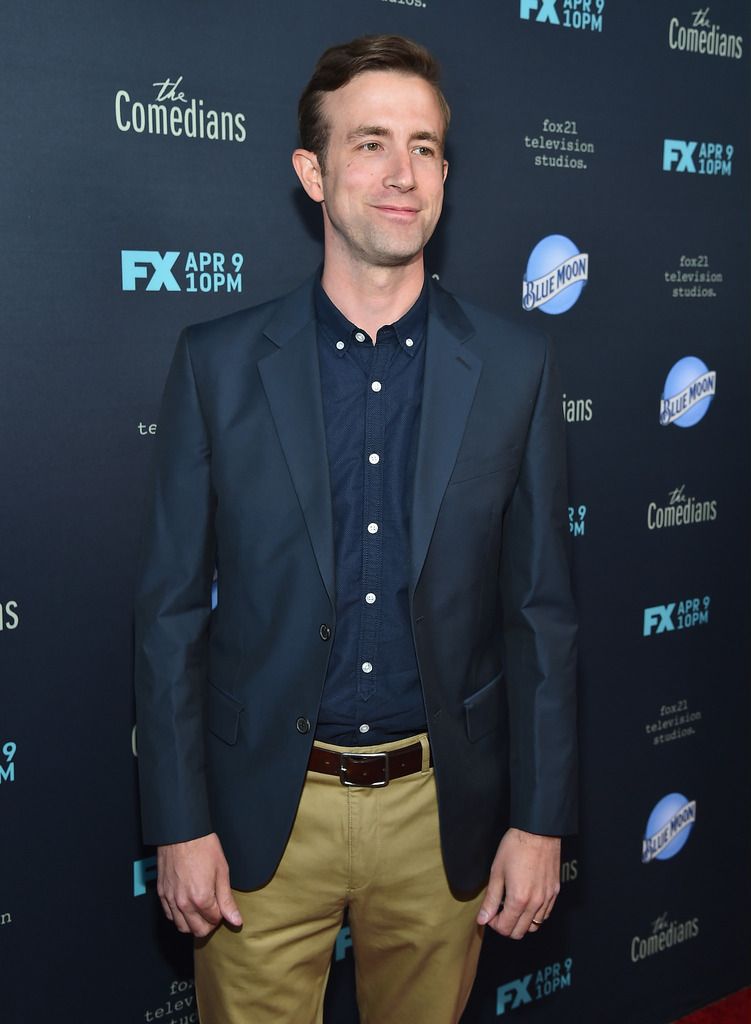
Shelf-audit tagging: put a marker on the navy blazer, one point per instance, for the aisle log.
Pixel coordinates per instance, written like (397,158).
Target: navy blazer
(227,699)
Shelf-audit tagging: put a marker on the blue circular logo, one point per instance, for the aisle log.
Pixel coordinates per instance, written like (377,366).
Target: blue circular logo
(668,827)
(556,274)
(688,392)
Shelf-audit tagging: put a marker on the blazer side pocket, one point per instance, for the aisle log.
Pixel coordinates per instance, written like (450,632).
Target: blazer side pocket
(223,714)
(482,709)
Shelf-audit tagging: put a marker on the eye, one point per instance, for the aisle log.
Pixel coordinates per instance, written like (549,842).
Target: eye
(424,151)
(370,147)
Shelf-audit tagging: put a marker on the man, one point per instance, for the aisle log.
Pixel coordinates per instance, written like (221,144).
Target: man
(376,471)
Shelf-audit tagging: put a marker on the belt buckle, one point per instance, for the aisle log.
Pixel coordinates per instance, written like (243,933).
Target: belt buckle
(344,757)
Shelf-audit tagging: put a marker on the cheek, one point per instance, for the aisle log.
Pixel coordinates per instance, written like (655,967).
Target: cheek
(433,185)
(353,180)
(436,200)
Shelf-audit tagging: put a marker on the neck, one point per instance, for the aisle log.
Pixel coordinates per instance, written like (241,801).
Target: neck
(373,296)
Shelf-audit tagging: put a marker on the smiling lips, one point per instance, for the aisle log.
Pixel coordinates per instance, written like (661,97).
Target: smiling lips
(399,211)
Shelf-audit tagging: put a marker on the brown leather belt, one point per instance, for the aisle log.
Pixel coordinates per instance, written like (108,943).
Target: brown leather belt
(367,769)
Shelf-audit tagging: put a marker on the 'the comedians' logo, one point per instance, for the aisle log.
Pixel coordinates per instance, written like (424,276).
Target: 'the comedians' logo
(668,827)
(700,35)
(172,111)
(689,389)
(556,274)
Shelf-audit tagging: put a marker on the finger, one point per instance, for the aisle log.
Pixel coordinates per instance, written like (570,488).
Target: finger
(200,914)
(546,910)
(226,902)
(208,910)
(492,901)
(547,904)
(538,917)
(199,924)
(538,920)
(179,921)
(172,912)
(516,918)
(508,917)
(524,924)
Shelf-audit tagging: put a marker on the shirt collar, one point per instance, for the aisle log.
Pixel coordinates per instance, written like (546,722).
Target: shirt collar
(409,329)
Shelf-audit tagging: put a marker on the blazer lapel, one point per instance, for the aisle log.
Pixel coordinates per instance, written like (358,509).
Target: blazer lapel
(449,384)
(291,380)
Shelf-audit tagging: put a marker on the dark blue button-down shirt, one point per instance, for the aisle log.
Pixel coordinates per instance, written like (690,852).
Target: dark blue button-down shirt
(371,407)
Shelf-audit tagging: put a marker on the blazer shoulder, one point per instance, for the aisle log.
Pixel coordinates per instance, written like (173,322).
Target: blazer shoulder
(252,326)
(490,333)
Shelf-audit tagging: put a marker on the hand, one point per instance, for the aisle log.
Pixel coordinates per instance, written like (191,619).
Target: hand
(193,885)
(524,882)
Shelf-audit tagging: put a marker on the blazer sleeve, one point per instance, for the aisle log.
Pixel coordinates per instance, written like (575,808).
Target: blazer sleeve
(172,609)
(540,626)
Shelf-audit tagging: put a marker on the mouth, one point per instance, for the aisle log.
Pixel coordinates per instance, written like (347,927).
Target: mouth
(400,212)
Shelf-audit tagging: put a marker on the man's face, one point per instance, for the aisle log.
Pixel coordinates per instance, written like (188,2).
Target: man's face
(383,184)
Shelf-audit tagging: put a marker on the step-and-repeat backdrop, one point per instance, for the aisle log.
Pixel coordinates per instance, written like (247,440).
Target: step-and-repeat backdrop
(598,188)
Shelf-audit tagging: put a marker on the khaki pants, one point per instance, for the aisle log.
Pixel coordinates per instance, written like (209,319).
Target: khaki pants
(377,852)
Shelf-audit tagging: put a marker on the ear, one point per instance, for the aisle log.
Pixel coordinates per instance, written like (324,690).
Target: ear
(308,171)
(445,169)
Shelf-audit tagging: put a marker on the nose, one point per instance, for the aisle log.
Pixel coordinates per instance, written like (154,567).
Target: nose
(400,173)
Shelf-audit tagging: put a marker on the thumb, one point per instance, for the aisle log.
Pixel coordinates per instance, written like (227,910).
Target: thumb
(226,902)
(491,903)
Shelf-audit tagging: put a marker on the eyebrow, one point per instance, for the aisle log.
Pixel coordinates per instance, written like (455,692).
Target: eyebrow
(364,130)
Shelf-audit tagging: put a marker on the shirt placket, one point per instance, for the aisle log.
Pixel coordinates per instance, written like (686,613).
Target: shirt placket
(373,534)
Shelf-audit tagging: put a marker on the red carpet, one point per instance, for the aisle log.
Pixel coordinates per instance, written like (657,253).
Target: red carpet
(735,1009)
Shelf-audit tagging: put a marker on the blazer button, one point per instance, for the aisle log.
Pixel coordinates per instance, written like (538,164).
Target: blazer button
(325,632)
(302,725)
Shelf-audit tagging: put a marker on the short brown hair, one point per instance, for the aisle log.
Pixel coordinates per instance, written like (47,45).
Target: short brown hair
(340,64)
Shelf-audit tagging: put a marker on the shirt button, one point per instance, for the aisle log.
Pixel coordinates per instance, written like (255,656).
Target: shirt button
(370,598)
(374,459)
(340,345)
(372,527)
(367,667)
(408,342)
(360,336)
(302,725)
(325,632)
(376,385)
(364,727)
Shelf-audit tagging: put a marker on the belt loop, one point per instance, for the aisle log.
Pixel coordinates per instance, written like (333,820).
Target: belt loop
(425,744)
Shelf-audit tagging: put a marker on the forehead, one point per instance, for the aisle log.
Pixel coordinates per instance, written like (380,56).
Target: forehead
(389,99)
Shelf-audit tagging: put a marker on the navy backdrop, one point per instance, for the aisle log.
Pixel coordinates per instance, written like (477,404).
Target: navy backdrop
(599,168)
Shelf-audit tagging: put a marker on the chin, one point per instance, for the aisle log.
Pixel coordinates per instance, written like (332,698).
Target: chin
(395,255)
(394,259)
